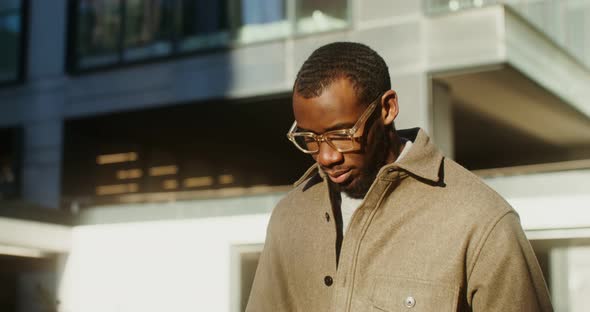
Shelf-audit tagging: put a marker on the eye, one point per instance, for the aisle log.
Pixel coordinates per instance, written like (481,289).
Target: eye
(308,139)
(338,137)
(342,142)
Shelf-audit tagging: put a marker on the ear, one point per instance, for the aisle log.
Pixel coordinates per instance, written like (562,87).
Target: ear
(389,107)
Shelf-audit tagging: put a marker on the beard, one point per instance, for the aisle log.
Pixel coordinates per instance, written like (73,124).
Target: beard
(378,147)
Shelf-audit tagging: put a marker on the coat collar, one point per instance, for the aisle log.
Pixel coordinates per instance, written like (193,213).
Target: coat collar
(423,160)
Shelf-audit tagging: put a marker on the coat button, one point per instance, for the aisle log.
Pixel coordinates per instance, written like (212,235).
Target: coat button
(328,280)
(327,217)
(410,302)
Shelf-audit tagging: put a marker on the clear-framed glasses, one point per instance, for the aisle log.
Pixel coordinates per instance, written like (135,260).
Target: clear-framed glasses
(342,140)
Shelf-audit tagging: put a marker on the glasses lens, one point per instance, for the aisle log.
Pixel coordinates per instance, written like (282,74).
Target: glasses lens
(307,143)
(342,142)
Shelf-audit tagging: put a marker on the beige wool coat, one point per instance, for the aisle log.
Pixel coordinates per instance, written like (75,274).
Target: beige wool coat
(429,236)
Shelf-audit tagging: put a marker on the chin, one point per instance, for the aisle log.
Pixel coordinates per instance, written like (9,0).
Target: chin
(358,186)
(355,189)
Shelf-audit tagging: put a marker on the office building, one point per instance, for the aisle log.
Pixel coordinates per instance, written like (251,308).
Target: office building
(142,142)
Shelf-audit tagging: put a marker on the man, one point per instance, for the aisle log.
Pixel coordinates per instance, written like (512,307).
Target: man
(383,221)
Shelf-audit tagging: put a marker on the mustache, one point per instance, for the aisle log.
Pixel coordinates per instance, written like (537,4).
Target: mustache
(335,168)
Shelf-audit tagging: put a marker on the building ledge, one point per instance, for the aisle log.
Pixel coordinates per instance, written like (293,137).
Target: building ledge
(472,40)
(28,231)
(551,204)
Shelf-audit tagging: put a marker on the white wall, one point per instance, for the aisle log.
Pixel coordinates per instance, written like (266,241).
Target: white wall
(179,265)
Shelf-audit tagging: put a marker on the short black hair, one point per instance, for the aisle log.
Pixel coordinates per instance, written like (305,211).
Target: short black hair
(364,68)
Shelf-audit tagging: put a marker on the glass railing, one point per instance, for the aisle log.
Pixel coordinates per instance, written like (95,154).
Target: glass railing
(567,22)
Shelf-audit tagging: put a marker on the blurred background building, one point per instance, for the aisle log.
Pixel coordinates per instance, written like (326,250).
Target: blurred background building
(142,142)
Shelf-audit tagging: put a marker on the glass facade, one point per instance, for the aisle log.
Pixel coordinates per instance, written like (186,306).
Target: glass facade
(11,40)
(115,32)
(567,22)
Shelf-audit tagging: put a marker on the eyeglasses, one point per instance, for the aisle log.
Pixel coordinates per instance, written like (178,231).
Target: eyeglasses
(342,140)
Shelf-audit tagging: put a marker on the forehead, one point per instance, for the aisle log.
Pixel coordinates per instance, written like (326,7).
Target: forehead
(336,107)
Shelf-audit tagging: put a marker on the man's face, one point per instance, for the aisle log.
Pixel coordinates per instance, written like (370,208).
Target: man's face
(338,108)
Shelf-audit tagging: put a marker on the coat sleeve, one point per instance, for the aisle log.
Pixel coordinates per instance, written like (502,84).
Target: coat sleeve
(269,292)
(506,275)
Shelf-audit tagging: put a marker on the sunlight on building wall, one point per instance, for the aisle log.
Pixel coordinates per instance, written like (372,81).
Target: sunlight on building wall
(181,265)
(573,211)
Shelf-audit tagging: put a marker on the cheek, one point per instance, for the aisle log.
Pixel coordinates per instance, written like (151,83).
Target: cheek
(375,134)
(376,140)
(355,160)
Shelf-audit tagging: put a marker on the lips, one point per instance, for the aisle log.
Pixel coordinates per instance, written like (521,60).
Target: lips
(339,176)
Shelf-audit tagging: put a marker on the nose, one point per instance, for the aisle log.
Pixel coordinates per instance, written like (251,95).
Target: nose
(327,156)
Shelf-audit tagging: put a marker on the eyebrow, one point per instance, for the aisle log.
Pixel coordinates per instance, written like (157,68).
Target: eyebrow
(340,126)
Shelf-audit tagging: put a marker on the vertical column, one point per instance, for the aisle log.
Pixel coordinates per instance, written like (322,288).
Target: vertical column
(586,34)
(442,112)
(41,178)
(413,99)
(42,111)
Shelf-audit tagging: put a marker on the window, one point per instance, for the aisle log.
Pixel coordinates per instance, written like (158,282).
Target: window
(11,40)
(316,16)
(98,35)
(148,28)
(202,24)
(260,19)
(180,151)
(116,32)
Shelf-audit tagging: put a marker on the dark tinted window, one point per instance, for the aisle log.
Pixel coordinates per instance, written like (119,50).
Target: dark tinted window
(98,32)
(11,40)
(148,28)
